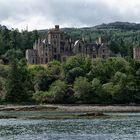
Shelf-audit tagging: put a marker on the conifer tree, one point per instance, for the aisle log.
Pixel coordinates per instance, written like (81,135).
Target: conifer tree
(18,82)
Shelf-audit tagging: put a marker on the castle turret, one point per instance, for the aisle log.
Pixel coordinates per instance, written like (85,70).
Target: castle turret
(102,40)
(57,27)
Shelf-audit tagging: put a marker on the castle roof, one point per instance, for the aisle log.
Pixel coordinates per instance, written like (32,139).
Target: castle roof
(76,42)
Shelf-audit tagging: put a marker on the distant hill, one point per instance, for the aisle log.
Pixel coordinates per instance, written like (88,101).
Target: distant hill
(124,26)
(119,25)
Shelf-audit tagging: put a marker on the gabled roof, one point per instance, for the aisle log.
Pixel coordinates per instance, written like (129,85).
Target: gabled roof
(76,42)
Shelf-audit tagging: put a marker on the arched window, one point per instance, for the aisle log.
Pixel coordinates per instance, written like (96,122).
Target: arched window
(33,61)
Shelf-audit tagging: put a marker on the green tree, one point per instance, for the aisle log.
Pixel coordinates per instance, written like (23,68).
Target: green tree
(42,80)
(7,57)
(58,91)
(4,40)
(83,90)
(123,88)
(97,90)
(18,82)
(76,66)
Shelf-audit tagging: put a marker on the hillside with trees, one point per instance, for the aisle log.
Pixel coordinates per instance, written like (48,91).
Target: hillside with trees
(13,39)
(121,36)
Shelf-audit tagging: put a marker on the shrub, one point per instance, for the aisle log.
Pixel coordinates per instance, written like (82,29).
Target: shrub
(83,90)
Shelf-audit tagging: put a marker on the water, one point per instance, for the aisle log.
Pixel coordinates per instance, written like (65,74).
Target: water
(121,128)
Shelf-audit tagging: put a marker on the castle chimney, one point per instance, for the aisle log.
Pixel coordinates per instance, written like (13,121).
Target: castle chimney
(57,27)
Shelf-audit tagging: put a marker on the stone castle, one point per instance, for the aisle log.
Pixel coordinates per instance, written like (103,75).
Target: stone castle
(58,46)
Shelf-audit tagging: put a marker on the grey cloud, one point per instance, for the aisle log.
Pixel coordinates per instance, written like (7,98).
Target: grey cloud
(80,12)
(68,12)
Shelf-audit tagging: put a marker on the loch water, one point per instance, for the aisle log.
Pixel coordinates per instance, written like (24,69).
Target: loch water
(124,127)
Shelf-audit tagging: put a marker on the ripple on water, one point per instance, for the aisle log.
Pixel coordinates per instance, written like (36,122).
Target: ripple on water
(127,128)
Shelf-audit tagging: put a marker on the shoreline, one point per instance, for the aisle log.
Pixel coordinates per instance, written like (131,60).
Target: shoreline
(71,108)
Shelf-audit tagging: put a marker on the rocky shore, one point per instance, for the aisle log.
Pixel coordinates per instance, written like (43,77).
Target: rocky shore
(70,108)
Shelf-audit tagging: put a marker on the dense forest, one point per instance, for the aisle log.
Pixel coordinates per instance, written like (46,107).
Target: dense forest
(114,80)
(13,39)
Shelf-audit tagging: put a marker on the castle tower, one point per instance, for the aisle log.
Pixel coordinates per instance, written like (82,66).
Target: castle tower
(102,40)
(54,39)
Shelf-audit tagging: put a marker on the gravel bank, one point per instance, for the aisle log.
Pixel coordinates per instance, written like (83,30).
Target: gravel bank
(70,108)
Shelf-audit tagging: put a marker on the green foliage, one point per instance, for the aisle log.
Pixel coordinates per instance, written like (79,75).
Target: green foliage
(7,57)
(58,91)
(42,96)
(13,39)
(105,69)
(78,80)
(54,69)
(76,66)
(83,90)
(42,80)
(17,83)
(107,91)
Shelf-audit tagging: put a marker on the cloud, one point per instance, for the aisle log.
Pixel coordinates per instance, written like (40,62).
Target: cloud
(39,14)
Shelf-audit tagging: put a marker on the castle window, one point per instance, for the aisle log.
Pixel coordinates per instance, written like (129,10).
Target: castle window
(66,49)
(33,61)
(103,56)
(55,57)
(64,59)
(80,48)
(54,36)
(91,49)
(46,60)
(103,50)
(54,42)
(41,60)
(55,50)
(61,36)
(70,48)
(62,49)
(36,61)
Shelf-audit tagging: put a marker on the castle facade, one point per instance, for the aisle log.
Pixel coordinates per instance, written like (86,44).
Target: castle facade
(58,46)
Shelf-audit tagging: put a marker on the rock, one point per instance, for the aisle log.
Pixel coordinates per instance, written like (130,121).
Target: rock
(28,108)
(94,114)
(8,117)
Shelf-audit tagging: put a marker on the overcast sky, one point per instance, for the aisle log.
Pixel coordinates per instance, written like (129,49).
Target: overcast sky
(42,14)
